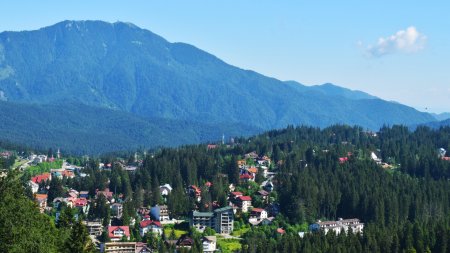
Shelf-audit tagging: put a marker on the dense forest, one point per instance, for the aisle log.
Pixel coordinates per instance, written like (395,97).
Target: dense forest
(405,206)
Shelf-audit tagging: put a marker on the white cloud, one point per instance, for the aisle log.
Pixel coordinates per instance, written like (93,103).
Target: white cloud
(403,41)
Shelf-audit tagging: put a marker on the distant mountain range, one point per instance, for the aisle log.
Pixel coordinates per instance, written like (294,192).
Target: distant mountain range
(124,86)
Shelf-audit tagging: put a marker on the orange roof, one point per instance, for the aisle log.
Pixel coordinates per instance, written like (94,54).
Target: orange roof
(40,178)
(40,196)
(253,170)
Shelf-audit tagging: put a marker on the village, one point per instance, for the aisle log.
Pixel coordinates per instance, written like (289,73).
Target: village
(217,227)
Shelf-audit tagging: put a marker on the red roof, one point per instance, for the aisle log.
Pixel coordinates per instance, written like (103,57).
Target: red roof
(212,146)
(236,194)
(40,178)
(40,196)
(257,210)
(108,194)
(343,159)
(281,231)
(446,158)
(146,223)
(208,184)
(246,176)
(197,189)
(81,202)
(111,229)
(245,198)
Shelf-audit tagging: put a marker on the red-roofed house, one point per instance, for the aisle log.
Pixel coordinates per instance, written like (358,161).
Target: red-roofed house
(146,226)
(246,177)
(82,205)
(41,200)
(244,203)
(41,178)
(115,233)
(258,214)
(195,191)
(235,195)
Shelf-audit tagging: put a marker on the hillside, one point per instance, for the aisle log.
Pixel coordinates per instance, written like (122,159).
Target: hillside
(81,129)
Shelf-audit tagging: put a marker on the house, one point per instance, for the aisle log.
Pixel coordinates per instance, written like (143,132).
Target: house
(245,178)
(252,155)
(41,200)
(185,242)
(209,244)
(165,189)
(73,193)
(258,214)
(195,192)
(95,228)
(375,158)
(34,186)
(117,210)
(235,195)
(82,205)
(42,178)
(118,247)
(264,195)
(160,213)
(442,152)
(141,247)
(221,220)
(241,163)
(106,193)
(338,226)
(147,226)
(244,203)
(115,233)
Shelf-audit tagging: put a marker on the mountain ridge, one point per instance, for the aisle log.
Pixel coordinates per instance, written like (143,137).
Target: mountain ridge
(123,67)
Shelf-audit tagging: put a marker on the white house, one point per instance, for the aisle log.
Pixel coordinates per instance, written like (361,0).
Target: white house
(209,244)
(165,189)
(147,226)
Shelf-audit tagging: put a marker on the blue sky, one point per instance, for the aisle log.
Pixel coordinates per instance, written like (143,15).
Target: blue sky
(396,50)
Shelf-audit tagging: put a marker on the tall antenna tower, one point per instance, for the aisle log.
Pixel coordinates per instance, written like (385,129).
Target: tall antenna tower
(223,139)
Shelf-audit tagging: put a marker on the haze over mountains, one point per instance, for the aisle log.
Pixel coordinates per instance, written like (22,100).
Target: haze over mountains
(123,86)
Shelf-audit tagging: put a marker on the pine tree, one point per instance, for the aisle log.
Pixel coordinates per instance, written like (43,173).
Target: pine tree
(79,241)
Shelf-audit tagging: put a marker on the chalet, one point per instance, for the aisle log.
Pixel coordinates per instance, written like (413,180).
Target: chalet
(146,226)
(82,205)
(245,178)
(264,195)
(115,233)
(258,214)
(142,247)
(41,200)
(244,203)
(209,244)
(235,195)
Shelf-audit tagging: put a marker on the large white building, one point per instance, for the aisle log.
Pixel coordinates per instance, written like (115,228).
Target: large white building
(339,226)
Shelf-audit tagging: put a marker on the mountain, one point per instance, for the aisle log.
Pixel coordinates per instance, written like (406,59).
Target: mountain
(434,124)
(123,68)
(441,116)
